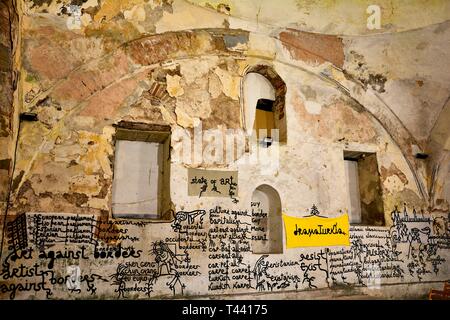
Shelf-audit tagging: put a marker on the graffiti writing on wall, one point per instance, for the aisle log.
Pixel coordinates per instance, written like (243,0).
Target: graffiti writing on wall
(21,273)
(207,251)
(314,231)
(213,183)
(409,249)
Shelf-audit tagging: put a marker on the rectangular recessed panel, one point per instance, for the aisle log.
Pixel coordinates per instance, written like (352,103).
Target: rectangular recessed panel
(136,177)
(354,200)
(212,183)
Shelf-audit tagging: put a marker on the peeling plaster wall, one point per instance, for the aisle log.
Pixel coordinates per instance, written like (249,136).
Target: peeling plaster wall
(438,145)
(409,76)
(333,17)
(8,124)
(87,65)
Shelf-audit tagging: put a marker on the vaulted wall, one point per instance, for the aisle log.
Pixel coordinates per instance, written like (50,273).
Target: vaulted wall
(85,68)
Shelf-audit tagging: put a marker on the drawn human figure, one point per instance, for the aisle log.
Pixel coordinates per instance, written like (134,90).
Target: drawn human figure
(119,280)
(359,273)
(188,216)
(440,226)
(203,188)
(414,236)
(399,232)
(180,216)
(397,272)
(309,280)
(431,250)
(214,188)
(358,249)
(260,271)
(167,259)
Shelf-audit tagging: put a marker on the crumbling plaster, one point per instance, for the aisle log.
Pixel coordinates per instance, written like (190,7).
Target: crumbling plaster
(90,82)
(171,62)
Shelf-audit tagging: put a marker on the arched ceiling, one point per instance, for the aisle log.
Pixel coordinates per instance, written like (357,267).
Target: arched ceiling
(405,62)
(334,17)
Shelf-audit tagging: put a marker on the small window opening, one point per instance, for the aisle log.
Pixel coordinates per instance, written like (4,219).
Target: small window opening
(264,105)
(141,171)
(264,121)
(365,201)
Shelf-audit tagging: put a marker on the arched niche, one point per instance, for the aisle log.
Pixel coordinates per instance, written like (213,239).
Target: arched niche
(256,87)
(267,232)
(262,84)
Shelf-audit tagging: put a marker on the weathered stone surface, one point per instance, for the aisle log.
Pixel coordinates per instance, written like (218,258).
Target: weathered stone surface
(49,60)
(90,69)
(83,83)
(8,25)
(314,48)
(224,112)
(173,86)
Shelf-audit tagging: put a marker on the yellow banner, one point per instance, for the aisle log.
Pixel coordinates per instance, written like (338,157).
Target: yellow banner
(316,231)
